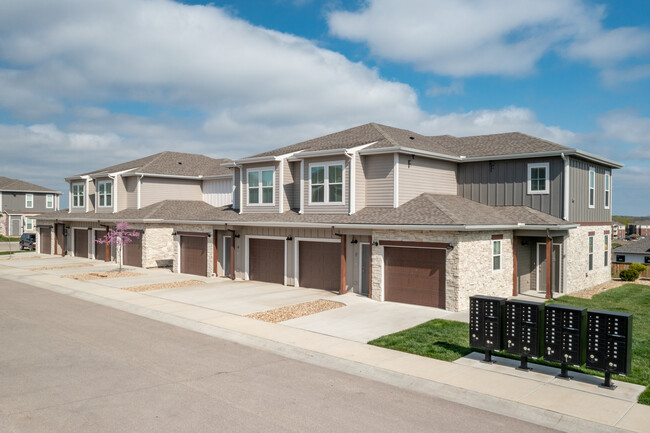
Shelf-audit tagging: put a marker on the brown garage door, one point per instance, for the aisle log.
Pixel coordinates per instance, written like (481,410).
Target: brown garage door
(319,265)
(46,240)
(100,249)
(266,260)
(194,255)
(133,252)
(415,276)
(81,242)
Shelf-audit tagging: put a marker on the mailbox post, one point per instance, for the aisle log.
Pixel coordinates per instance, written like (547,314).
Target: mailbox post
(524,326)
(609,343)
(563,336)
(486,314)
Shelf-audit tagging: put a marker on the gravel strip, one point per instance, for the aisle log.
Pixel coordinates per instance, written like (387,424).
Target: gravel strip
(101,275)
(47,268)
(615,282)
(294,311)
(159,286)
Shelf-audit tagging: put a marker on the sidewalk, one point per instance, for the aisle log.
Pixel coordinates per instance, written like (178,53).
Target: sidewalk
(578,405)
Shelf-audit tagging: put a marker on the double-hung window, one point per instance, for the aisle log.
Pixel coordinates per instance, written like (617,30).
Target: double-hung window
(105,193)
(538,178)
(591,253)
(326,183)
(29,201)
(49,201)
(260,186)
(608,185)
(592,187)
(606,250)
(29,224)
(496,255)
(78,195)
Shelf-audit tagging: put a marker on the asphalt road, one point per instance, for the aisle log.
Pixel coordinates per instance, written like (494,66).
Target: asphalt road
(67,365)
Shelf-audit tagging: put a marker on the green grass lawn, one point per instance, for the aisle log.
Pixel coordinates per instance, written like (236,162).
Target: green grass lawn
(447,340)
(6,239)
(6,253)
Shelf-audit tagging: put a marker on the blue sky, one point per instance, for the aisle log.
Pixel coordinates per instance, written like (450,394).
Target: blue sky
(88,83)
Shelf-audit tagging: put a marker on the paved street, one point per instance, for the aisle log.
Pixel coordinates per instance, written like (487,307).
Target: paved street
(67,365)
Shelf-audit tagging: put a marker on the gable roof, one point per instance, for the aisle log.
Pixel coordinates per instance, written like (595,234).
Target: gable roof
(168,164)
(10,185)
(642,246)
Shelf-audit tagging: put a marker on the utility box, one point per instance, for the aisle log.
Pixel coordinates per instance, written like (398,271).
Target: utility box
(524,328)
(486,319)
(609,341)
(564,334)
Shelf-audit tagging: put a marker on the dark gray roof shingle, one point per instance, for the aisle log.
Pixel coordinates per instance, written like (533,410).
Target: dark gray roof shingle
(8,184)
(171,164)
(642,246)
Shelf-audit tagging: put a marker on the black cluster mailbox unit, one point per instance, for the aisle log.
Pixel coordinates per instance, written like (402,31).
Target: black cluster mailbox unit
(564,328)
(524,326)
(486,323)
(609,343)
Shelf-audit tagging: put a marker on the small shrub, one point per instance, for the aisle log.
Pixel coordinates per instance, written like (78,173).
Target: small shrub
(638,267)
(629,275)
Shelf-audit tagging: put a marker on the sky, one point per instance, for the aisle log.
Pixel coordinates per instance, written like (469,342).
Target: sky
(85,84)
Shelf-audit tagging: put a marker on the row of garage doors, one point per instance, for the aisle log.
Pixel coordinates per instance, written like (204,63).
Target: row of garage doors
(132,252)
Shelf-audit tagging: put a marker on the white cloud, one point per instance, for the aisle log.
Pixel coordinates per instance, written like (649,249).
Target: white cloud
(618,77)
(626,126)
(472,37)
(454,88)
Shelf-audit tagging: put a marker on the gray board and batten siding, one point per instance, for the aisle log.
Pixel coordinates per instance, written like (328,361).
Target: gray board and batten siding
(579,210)
(424,175)
(15,201)
(505,183)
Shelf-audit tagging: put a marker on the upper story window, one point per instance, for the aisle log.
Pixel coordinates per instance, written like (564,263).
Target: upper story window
(261,186)
(592,187)
(29,201)
(538,178)
(326,183)
(78,195)
(105,193)
(496,255)
(49,201)
(608,185)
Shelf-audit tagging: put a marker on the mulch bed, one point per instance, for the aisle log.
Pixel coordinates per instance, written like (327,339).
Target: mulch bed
(294,311)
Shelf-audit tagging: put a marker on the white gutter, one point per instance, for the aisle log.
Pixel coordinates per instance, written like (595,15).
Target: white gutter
(567,170)
(411,151)
(315,153)
(31,191)
(599,159)
(216,176)
(169,176)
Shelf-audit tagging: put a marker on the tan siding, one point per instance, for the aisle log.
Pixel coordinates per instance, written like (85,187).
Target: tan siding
(154,190)
(295,174)
(425,175)
(122,195)
(327,208)
(360,183)
(379,179)
(287,186)
(131,186)
(276,190)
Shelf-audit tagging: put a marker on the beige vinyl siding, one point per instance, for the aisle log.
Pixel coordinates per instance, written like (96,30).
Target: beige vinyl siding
(276,189)
(131,186)
(360,183)
(425,175)
(328,208)
(154,190)
(122,194)
(579,210)
(379,179)
(287,186)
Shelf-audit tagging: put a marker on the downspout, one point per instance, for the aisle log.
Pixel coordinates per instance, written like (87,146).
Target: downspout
(566,187)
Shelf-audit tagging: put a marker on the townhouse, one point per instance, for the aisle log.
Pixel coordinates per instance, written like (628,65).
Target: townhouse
(21,202)
(383,212)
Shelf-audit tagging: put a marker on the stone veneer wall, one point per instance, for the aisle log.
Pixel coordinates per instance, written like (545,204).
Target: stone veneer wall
(468,268)
(38,241)
(177,245)
(578,275)
(158,247)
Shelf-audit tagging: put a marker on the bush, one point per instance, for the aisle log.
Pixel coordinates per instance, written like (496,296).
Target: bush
(629,275)
(638,267)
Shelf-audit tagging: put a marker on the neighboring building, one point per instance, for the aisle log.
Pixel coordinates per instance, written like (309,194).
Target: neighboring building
(634,252)
(618,230)
(387,213)
(21,202)
(639,227)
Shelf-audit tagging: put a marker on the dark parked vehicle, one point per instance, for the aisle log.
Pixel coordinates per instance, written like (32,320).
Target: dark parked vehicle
(28,241)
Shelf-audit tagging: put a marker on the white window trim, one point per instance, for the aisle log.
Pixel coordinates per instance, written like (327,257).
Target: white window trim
(608,189)
(259,171)
(606,259)
(591,253)
(29,198)
(326,194)
(589,188)
(82,195)
(49,204)
(29,223)
(105,182)
(500,255)
(548,176)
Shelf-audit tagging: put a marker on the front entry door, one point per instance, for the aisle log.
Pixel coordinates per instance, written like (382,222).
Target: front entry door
(556,265)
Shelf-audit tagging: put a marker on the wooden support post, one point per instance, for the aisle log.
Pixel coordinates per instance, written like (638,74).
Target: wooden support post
(343,289)
(549,275)
(215,251)
(56,239)
(515,286)
(232,255)
(107,258)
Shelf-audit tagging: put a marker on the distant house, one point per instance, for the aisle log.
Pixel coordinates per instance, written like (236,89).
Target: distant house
(21,202)
(639,227)
(634,252)
(618,230)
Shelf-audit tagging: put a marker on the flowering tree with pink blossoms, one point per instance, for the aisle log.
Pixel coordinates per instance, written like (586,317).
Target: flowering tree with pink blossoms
(121,235)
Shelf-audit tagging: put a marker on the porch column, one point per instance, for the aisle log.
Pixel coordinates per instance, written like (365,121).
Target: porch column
(232,255)
(107,258)
(549,275)
(56,239)
(515,286)
(343,288)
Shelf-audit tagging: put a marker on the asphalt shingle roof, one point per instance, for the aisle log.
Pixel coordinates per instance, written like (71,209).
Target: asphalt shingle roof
(8,184)
(636,247)
(171,163)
